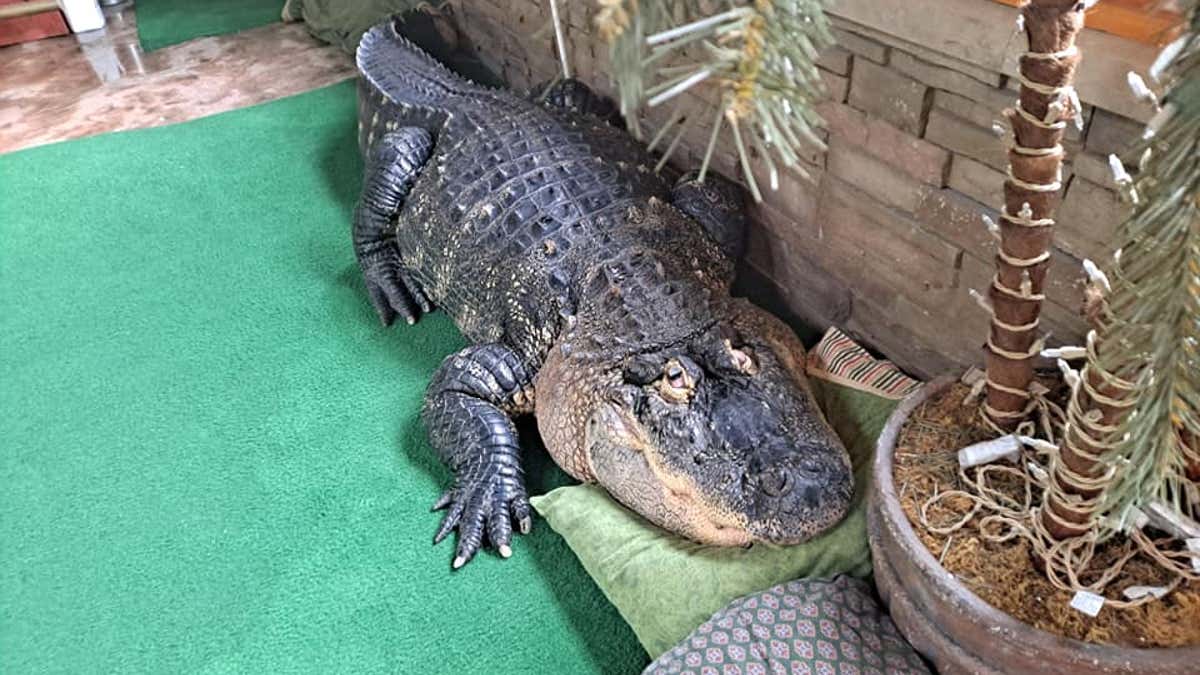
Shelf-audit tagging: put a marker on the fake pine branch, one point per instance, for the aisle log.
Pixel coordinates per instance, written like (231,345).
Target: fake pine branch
(759,57)
(1047,102)
(1148,337)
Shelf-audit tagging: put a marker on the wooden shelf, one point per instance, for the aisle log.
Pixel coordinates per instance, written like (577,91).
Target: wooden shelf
(1134,19)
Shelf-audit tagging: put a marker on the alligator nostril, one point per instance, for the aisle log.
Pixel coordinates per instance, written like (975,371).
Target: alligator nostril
(811,469)
(776,482)
(811,495)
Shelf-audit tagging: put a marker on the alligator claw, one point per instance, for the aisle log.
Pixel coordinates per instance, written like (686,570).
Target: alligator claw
(393,293)
(443,501)
(449,522)
(482,510)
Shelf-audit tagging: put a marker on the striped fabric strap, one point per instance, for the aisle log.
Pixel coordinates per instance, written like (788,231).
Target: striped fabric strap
(839,359)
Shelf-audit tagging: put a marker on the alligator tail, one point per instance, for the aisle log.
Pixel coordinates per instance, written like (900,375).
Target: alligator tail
(405,74)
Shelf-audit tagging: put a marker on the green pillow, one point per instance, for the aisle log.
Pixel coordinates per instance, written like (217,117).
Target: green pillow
(665,586)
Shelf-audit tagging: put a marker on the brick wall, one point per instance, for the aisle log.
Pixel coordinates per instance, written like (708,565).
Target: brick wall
(887,235)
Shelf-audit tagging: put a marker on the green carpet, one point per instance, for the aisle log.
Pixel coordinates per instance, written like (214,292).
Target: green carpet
(210,454)
(162,23)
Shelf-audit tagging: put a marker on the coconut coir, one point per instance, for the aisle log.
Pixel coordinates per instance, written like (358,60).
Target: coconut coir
(1005,574)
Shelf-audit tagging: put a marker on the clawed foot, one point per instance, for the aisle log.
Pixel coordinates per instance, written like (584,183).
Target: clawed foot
(488,505)
(393,293)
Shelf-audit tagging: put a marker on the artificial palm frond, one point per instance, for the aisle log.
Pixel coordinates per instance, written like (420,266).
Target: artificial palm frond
(1151,324)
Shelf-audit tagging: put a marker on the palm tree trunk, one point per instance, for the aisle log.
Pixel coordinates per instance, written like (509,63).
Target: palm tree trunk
(1032,191)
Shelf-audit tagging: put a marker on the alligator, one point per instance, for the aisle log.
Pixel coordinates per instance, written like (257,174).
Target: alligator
(595,293)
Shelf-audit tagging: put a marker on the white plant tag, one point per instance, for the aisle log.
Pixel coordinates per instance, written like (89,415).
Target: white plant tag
(1136,592)
(1006,447)
(1068,353)
(1088,603)
(973,375)
(1193,545)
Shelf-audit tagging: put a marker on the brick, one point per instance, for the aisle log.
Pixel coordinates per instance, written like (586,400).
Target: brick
(1062,326)
(836,86)
(844,122)
(957,219)
(808,323)
(982,33)
(978,181)
(964,138)
(1094,168)
(583,60)
(886,220)
(987,76)
(903,275)
(877,327)
(864,47)
(1065,280)
(532,17)
(836,60)
(983,112)
(888,95)
(578,15)
(939,77)
(876,178)
(873,250)
(805,286)
(974,32)
(908,257)
(794,204)
(920,159)
(1110,133)
(1102,81)
(1087,220)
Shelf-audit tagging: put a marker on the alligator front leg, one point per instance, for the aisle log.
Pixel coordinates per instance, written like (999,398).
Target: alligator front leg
(391,170)
(468,414)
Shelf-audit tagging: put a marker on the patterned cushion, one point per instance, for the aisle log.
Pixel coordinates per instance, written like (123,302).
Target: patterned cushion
(837,358)
(810,626)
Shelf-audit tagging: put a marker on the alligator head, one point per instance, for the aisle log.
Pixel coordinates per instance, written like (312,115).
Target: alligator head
(717,437)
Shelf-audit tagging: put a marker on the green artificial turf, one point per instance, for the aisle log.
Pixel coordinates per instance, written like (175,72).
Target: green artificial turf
(210,452)
(162,23)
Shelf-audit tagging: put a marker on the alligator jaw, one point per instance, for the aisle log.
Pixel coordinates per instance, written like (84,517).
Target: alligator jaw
(628,464)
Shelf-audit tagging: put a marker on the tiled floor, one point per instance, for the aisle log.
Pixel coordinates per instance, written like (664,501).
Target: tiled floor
(90,83)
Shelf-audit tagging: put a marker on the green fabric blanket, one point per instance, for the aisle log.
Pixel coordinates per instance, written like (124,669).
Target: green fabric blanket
(665,586)
(210,453)
(162,23)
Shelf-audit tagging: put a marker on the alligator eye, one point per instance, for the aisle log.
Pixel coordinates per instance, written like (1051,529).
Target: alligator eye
(677,384)
(676,375)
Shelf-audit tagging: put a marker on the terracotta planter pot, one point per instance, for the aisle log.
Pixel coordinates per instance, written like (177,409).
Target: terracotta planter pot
(954,628)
